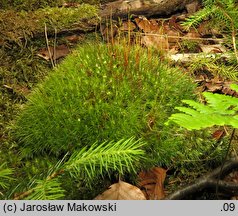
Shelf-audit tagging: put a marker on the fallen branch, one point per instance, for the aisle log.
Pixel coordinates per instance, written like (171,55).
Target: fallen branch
(189,57)
(210,181)
(121,8)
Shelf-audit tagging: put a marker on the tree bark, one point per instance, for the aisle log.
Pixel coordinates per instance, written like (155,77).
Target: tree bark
(121,8)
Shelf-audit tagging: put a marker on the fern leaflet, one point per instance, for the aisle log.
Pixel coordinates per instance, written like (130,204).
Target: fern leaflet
(220,110)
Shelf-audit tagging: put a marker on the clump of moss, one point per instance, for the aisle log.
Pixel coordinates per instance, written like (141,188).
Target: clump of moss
(189,46)
(31,5)
(28,5)
(18,26)
(105,93)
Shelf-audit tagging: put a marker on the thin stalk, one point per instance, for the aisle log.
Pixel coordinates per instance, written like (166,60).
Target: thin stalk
(54,57)
(48,47)
(233,34)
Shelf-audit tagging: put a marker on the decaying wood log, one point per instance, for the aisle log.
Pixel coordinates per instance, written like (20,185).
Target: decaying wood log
(121,8)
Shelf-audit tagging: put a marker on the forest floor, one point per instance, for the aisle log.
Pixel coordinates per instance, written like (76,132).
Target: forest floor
(25,64)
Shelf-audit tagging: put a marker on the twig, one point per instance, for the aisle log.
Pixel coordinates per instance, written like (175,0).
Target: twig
(225,157)
(47,43)
(179,37)
(54,56)
(24,194)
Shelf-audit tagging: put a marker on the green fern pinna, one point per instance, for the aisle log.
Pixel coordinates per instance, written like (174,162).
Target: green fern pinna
(219,110)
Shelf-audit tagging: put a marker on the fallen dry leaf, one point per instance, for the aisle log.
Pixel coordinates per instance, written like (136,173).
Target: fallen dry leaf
(127,26)
(121,191)
(228,91)
(213,48)
(192,35)
(213,87)
(175,24)
(205,29)
(217,85)
(151,26)
(173,36)
(218,134)
(158,42)
(54,52)
(18,89)
(108,32)
(73,38)
(151,183)
(145,25)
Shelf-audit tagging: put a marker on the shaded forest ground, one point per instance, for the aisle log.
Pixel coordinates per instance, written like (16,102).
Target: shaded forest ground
(21,70)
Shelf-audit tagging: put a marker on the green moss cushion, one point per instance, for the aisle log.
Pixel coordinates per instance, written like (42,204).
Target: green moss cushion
(104,93)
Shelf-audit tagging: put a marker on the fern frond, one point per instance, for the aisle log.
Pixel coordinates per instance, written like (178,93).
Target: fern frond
(197,106)
(120,156)
(234,87)
(222,104)
(220,110)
